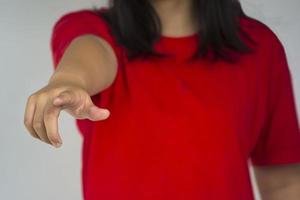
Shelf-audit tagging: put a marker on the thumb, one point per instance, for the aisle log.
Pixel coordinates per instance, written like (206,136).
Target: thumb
(95,113)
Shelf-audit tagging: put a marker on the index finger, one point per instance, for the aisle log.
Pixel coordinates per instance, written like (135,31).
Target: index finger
(28,117)
(51,115)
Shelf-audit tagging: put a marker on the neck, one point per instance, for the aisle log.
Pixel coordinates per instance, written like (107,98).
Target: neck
(176,17)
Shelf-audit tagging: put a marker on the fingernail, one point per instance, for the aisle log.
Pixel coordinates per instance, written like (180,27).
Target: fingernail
(57,145)
(105,111)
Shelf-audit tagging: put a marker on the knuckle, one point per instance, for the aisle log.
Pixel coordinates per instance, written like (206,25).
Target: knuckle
(65,92)
(56,89)
(67,96)
(31,97)
(42,95)
(27,122)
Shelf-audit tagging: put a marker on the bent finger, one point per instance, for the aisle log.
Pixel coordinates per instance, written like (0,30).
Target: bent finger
(51,115)
(28,117)
(38,122)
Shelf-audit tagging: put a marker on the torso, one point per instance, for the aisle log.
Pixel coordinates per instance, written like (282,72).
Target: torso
(176,130)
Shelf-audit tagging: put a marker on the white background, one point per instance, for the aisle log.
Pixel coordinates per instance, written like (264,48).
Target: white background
(31,170)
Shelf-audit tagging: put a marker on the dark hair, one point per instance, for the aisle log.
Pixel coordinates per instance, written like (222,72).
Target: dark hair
(136,26)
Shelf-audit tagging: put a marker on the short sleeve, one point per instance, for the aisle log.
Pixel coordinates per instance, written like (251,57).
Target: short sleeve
(74,24)
(279,142)
(77,23)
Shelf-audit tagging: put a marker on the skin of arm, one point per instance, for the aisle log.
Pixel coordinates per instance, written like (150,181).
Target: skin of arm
(90,62)
(278,182)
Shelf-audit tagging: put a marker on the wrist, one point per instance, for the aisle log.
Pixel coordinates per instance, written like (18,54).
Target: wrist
(60,78)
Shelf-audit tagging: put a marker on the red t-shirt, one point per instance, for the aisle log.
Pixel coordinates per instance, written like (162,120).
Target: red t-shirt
(185,131)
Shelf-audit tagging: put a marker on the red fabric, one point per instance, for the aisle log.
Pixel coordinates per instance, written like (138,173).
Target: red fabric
(185,131)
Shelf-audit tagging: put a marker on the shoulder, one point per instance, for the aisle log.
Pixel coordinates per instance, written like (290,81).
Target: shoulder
(269,60)
(84,21)
(261,33)
(88,18)
(75,23)
(270,54)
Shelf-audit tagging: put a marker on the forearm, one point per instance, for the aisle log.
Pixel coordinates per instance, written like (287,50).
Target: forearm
(73,78)
(290,191)
(278,182)
(88,62)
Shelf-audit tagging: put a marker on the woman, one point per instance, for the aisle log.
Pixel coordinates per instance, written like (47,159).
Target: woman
(172,98)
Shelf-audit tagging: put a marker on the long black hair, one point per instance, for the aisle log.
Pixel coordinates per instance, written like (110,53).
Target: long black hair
(136,26)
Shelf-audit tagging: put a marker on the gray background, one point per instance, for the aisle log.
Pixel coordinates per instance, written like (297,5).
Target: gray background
(31,170)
